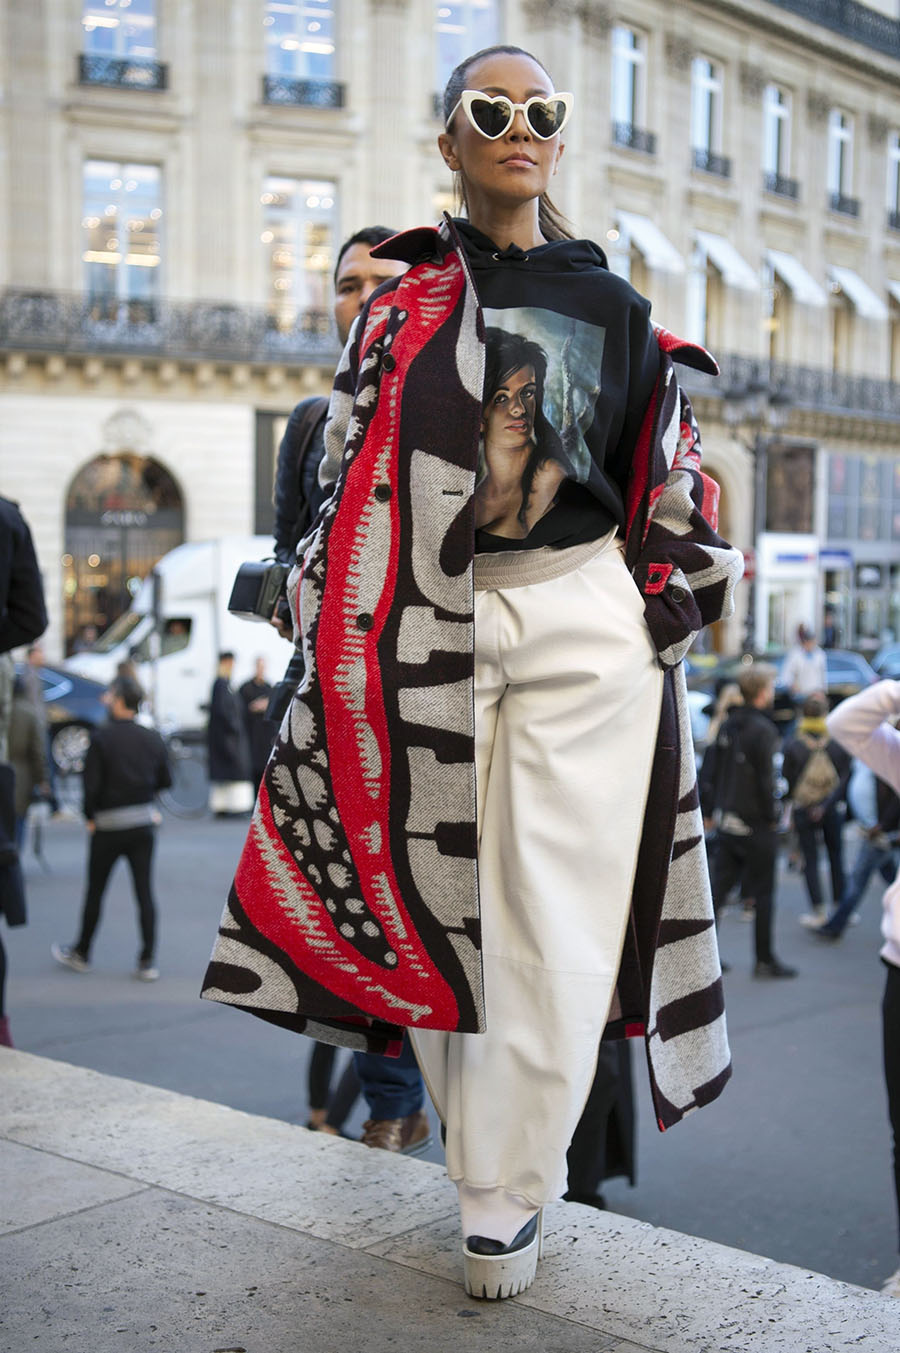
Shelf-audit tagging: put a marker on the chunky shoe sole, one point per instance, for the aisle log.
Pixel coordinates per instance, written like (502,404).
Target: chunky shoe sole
(491,1277)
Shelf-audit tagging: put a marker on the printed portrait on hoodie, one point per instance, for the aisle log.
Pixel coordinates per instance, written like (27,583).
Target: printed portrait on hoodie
(542,379)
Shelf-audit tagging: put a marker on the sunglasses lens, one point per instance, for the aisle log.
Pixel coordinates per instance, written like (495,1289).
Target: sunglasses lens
(491,116)
(546,119)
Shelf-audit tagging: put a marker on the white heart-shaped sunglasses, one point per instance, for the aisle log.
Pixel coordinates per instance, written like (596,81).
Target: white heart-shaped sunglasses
(492,115)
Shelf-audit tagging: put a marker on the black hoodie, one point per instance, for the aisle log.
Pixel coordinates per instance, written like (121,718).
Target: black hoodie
(602,360)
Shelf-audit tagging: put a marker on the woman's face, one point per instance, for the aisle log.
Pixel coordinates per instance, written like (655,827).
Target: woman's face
(508,418)
(517,167)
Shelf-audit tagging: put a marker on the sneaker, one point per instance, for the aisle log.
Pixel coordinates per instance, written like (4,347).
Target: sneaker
(70,958)
(813,919)
(494,1271)
(145,972)
(891,1287)
(408,1136)
(773,967)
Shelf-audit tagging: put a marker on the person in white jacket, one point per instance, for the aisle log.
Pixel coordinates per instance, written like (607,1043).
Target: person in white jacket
(863,726)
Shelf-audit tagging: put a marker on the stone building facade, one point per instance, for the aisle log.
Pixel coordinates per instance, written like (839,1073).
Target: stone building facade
(176,175)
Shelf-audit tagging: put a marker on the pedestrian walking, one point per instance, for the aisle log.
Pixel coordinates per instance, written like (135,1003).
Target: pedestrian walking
(863,725)
(28,756)
(255,695)
(125,768)
(879,842)
(230,767)
(542,646)
(817,771)
(747,812)
(805,670)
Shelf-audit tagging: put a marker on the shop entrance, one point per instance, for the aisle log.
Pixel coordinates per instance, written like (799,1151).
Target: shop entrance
(123,513)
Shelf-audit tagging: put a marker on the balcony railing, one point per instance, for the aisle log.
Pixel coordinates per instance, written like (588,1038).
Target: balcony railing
(846,206)
(802,387)
(33,320)
(711,163)
(781,186)
(851,20)
(121,72)
(634,138)
(281,89)
(893,220)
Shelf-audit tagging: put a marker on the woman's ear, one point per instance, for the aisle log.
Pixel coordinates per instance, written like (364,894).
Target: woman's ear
(445,146)
(559,154)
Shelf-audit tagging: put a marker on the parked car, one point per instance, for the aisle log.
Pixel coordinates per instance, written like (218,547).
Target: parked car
(886,662)
(74,706)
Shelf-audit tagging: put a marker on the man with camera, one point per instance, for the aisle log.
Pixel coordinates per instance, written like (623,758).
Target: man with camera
(392,1086)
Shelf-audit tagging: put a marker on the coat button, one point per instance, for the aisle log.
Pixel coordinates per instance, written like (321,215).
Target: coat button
(388,362)
(382,492)
(678,594)
(365,621)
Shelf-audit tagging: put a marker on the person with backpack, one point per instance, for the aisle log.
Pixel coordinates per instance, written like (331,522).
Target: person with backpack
(817,771)
(876,811)
(746,811)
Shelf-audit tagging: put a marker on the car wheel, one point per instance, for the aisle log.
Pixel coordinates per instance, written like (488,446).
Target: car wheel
(68,747)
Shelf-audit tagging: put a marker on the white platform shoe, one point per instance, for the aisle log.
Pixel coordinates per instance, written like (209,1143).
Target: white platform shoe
(493,1271)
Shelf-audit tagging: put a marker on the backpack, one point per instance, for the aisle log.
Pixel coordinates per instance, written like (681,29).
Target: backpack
(818,778)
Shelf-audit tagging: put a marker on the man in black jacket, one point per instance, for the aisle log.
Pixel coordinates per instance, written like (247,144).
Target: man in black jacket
(746,810)
(125,767)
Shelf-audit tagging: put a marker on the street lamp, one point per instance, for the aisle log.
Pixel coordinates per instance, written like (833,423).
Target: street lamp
(761,412)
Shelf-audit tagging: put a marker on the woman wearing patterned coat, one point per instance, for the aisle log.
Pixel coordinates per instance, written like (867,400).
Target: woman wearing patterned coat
(481,820)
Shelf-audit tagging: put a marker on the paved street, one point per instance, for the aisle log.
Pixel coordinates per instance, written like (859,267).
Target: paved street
(792,1162)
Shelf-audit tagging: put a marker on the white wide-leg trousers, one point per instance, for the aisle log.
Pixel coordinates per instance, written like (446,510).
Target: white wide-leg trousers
(567,699)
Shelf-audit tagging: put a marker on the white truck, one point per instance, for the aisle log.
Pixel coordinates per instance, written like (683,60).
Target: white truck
(194,584)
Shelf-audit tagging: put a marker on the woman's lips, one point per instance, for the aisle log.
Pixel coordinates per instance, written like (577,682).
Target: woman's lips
(519,425)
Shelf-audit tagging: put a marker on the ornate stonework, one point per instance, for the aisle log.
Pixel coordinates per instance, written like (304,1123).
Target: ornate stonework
(680,51)
(550,13)
(878,128)
(753,81)
(127,430)
(596,19)
(818,105)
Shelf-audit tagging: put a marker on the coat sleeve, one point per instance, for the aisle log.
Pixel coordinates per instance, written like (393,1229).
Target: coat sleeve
(686,572)
(23,614)
(861,725)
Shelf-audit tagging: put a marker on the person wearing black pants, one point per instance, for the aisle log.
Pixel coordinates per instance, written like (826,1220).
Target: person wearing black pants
(864,726)
(126,766)
(136,845)
(890,1024)
(746,811)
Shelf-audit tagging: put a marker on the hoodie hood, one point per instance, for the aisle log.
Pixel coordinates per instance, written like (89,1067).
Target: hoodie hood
(556,256)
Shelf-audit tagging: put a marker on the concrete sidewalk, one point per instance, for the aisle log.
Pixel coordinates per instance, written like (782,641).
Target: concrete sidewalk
(134,1218)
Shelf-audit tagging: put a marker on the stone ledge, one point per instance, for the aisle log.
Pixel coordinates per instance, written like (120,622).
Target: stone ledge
(637,1287)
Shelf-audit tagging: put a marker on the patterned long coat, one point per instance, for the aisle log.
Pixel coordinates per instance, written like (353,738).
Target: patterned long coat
(354,910)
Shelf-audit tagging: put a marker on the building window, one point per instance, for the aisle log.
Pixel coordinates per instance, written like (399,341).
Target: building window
(300,39)
(125,28)
(893,181)
(629,77)
(122,231)
(460,30)
(704,300)
(300,222)
(840,163)
(706,117)
(777,142)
